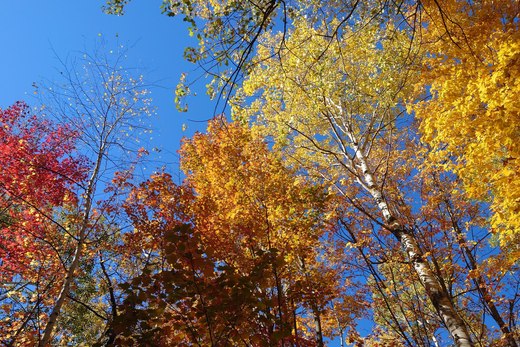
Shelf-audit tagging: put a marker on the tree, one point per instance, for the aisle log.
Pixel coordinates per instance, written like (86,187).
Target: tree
(339,115)
(471,118)
(330,88)
(370,171)
(107,106)
(252,256)
(60,195)
(455,40)
(40,173)
(258,205)
(473,133)
(183,295)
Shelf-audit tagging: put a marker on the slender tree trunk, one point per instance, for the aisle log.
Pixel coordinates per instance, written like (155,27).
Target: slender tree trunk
(295,321)
(110,333)
(341,339)
(317,325)
(315,310)
(439,297)
(279,295)
(65,289)
(278,283)
(479,281)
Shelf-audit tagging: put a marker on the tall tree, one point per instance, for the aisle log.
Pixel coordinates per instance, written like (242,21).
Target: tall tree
(329,87)
(107,105)
(41,171)
(471,117)
(65,169)
(256,230)
(258,206)
(339,114)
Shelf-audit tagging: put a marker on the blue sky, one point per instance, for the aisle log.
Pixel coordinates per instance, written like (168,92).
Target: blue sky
(34,33)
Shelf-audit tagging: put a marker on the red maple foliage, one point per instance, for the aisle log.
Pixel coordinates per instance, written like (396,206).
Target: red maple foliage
(39,173)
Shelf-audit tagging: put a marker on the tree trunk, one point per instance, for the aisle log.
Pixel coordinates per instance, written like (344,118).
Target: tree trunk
(65,289)
(317,324)
(437,294)
(479,281)
(315,310)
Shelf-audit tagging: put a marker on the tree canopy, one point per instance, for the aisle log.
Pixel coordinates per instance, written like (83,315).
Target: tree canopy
(363,191)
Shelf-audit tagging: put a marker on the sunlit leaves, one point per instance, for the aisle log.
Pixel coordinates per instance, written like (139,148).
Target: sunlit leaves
(320,203)
(249,264)
(40,173)
(472,117)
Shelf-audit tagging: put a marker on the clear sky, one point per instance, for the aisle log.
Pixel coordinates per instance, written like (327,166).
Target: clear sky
(33,33)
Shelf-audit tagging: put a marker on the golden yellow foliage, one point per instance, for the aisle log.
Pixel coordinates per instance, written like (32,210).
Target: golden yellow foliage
(247,198)
(472,119)
(325,96)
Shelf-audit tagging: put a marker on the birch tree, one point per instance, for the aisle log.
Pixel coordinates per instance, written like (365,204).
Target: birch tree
(338,113)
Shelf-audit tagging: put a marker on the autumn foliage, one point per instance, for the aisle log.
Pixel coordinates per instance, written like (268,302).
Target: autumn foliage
(365,192)
(473,115)
(235,249)
(38,176)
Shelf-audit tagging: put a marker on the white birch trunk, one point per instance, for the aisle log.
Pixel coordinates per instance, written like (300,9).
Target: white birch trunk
(437,294)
